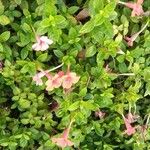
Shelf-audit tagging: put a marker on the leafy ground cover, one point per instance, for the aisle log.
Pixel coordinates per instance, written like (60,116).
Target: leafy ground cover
(74,74)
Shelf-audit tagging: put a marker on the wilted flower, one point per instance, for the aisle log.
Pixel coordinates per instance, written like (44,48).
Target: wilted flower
(100,114)
(142,129)
(107,69)
(1,65)
(137,9)
(63,141)
(131,39)
(42,43)
(69,79)
(54,82)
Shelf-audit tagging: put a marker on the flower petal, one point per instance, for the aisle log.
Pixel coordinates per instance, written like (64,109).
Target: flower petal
(44,46)
(60,142)
(46,40)
(66,84)
(49,85)
(36,46)
(140,2)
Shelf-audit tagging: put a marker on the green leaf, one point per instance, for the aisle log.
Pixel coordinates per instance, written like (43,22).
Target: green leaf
(24,39)
(16,13)
(104,102)
(58,53)
(88,105)
(50,8)
(5,36)
(12,145)
(25,69)
(98,129)
(95,6)
(30,68)
(74,106)
(1,47)
(4,20)
(1,8)
(4,144)
(18,136)
(119,38)
(23,142)
(24,52)
(73,33)
(48,143)
(60,21)
(18,2)
(104,14)
(45,23)
(40,1)
(73,9)
(107,28)
(42,57)
(147,92)
(122,67)
(24,121)
(83,92)
(99,19)
(90,51)
(89,26)
(24,103)
(107,147)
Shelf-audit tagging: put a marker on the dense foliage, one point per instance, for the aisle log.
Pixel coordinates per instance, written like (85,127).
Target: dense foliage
(75,74)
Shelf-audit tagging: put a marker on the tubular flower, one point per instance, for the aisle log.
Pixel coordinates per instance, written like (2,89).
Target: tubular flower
(38,76)
(63,141)
(42,43)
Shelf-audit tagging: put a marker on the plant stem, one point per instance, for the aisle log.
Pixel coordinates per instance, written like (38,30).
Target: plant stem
(143,27)
(126,74)
(147,121)
(120,2)
(56,67)
(33,31)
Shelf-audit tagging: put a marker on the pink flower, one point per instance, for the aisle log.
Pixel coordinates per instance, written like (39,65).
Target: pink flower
(132,118)
(130,41)
(69,79)
(42,43)
(137,9)
(38,76)
(129,129)
(55,81)
(100,114)
(63,141)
